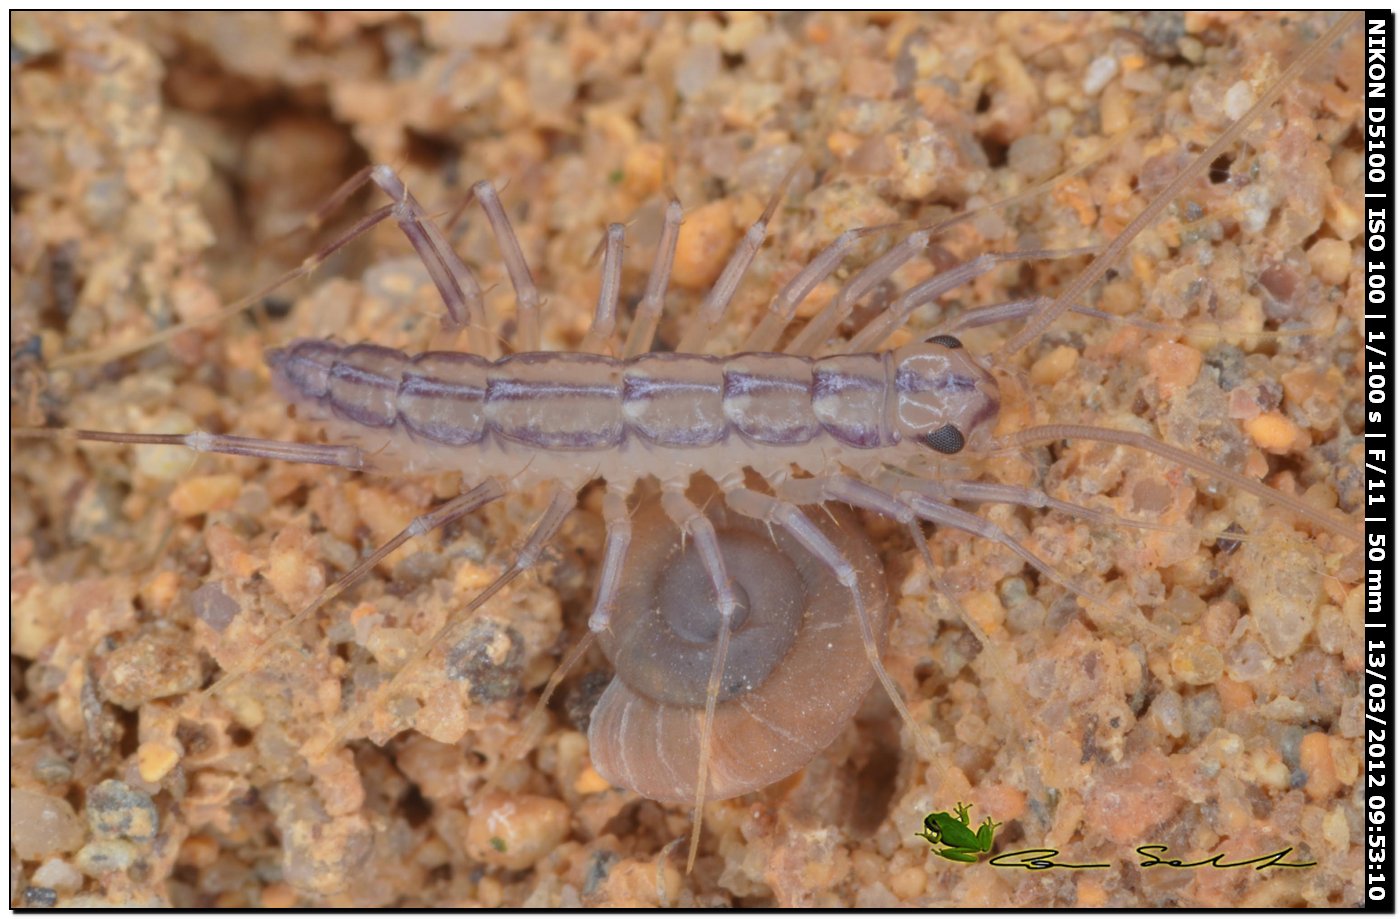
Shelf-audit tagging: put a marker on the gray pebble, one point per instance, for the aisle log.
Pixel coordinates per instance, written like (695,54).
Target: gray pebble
(115,810)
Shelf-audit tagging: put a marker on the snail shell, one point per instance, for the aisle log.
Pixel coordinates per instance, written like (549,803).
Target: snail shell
(794,676)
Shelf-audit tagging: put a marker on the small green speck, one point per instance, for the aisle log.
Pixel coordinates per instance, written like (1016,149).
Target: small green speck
(498,843)
(615,176)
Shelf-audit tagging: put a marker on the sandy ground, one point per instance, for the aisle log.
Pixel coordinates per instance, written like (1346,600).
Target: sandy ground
(158,167)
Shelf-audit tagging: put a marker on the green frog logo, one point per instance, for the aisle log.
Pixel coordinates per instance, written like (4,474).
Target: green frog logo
(953,838)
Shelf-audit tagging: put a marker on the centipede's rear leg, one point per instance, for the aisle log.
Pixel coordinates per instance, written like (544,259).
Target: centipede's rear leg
(457,286)
(346,456)
(461,293)
(440,516)
(561,503)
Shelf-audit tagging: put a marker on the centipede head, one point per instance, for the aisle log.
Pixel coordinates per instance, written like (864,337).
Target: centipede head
(945,399)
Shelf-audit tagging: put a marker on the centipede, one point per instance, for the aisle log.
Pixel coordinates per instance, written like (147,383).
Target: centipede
(468,558)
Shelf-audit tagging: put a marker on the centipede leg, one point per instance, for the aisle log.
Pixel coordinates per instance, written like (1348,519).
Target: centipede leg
(790,518)
(852,491)
(619,536)
(898,312)
(712,308)
(1003,312)
(769,330)
(695,525)
(648,315)
(440,516)
(334,201)
(820,328)
(928,500)
(561,504)
(529,734)
(864,495)
(461,293)
(818,331)
(937,512)
(527,295)
(997,493)
(907,504)
(1020,309)
(600,331)
(942,491)
(618,525)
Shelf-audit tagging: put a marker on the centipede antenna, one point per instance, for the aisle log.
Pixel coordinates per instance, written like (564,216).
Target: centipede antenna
(459,289)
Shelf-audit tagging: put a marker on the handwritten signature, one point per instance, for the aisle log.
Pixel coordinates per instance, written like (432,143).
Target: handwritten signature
(1260,862)
(1044,859)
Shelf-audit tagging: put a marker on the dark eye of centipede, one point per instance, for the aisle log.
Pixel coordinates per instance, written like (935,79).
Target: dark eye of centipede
(948,341)
(947,439)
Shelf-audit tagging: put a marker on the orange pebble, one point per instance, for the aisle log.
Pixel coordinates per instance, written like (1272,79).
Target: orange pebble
(205,493)
(278,896)
(703,246)
(1234,696)
(1052,367)
(1175,366)
(1090,894)
(644,170)
(1275,433)
(1315,758)
(1003,802)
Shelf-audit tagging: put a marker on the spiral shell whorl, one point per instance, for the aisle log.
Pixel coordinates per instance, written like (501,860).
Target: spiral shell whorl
(794,677)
